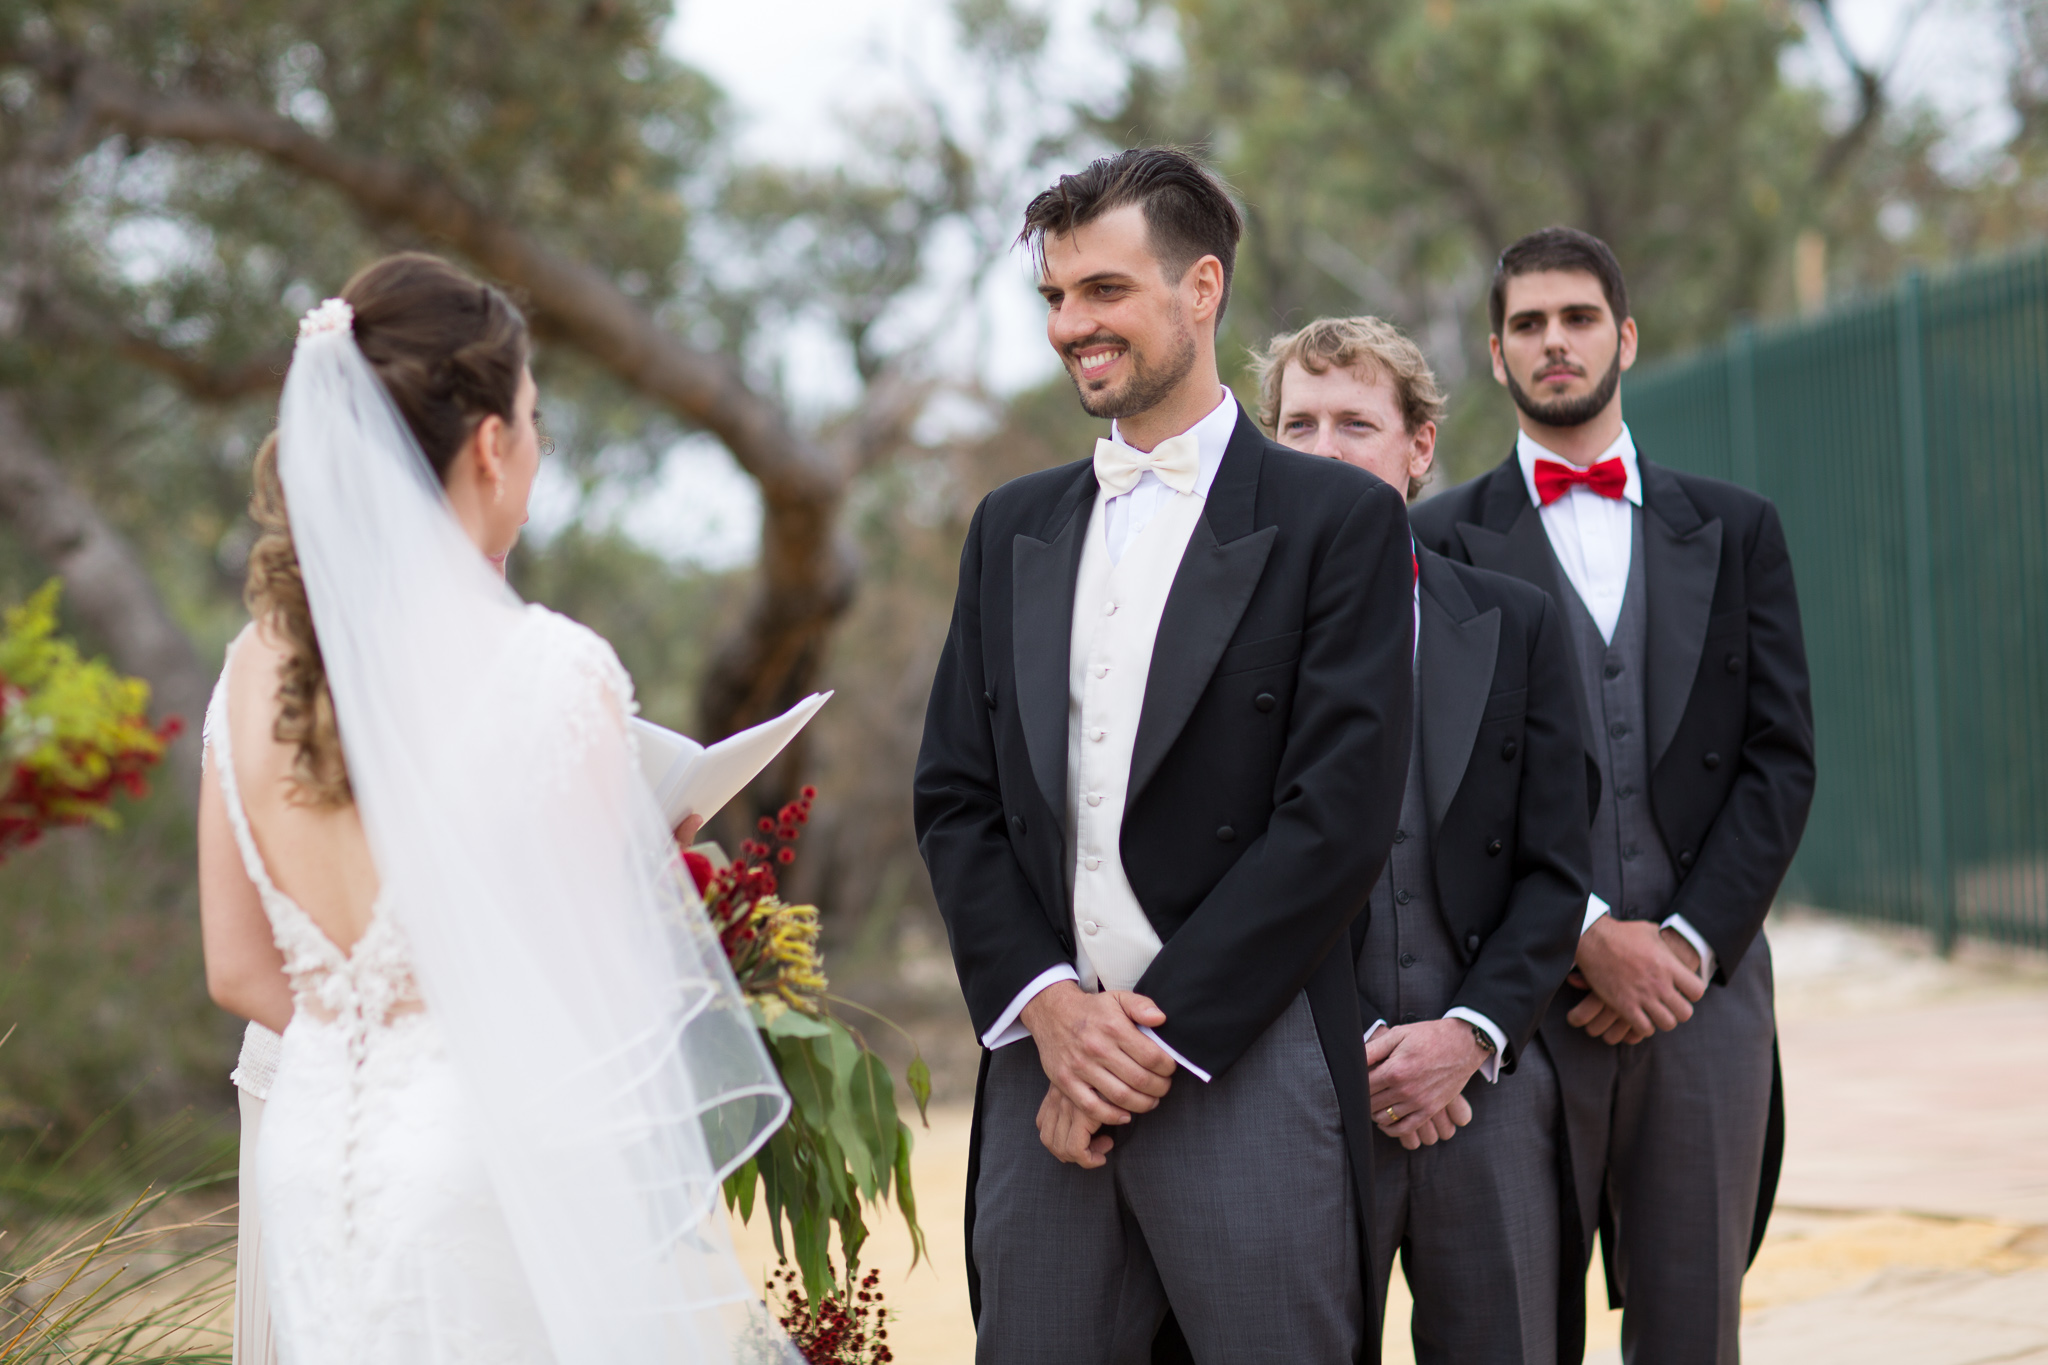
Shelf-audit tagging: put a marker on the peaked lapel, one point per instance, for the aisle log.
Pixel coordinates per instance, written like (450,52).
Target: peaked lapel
(1681,561)
(1042,578)
(1457,655)
(1218,573)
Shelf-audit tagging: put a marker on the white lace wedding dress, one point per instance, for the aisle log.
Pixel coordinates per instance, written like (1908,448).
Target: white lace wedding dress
(383,1239)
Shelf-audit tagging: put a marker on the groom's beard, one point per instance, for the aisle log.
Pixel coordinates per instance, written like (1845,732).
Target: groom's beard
(1568,412)
(1147,387)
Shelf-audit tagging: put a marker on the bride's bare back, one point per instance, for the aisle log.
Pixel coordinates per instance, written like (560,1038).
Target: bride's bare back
(317,855)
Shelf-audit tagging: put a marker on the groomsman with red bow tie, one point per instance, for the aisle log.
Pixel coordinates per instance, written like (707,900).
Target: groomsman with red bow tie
(1679,597)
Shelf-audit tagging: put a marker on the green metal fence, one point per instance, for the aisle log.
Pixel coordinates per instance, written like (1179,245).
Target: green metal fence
(1904,439)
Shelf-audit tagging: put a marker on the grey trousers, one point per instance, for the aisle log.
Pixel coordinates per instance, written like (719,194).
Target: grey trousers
(1672,1129)
(1232,1201)
(1476,1222)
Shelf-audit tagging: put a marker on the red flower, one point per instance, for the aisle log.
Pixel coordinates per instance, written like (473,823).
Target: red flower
(700,870)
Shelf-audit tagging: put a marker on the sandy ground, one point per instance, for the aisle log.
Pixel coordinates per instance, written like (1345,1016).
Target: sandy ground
(1912,1221)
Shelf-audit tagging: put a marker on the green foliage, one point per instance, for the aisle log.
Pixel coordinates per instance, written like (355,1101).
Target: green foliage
(843,1145)
(118,1259)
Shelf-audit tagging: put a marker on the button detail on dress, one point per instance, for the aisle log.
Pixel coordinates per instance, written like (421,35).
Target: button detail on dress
(1109,608)
(1091,864)
(1102,671)
(1094,798)
(1089,926)
(1098,735)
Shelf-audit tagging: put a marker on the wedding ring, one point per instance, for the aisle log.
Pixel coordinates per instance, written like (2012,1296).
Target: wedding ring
(1392,1117)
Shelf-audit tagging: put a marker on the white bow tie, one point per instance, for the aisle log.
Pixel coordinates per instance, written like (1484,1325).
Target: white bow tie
(1177,461)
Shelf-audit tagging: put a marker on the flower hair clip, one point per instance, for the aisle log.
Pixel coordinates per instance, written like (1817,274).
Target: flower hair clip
(332,316)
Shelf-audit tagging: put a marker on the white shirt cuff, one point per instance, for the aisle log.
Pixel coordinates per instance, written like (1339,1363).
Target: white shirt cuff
(1699,945)
(1183,1063)
(1009,1028)
(1595,908)
(1490,1068)
(1377,1025)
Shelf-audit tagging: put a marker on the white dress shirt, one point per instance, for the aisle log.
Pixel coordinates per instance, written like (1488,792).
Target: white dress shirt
(1120,520)
(1593,538)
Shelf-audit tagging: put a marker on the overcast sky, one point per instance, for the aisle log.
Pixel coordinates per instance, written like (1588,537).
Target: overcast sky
(796,69)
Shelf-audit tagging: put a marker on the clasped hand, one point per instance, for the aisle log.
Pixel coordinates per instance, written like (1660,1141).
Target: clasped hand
(1642,979)
(1102,1069)
(1418,1074)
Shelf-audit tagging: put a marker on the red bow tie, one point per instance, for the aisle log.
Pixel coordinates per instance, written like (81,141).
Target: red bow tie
(1555,479)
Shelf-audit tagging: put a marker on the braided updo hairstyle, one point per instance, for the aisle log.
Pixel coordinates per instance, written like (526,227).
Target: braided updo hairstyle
(450,351)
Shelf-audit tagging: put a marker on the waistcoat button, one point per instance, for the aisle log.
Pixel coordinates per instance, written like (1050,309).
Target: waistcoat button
(1471,943)
(1265,701)
(1493,849)
(1017,823)
(1224,834)
(1399,835)
(1619,729)
(1407,959)
(1407,1018)
(1613,670)
(1630,852)
(1712,761)
(1734,663)
(1402,897)
(1509,750)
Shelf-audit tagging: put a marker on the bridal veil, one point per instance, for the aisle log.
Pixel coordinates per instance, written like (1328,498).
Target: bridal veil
(588,1008)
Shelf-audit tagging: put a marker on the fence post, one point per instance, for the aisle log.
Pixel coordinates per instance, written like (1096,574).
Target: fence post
(1742,408)
(1926,675)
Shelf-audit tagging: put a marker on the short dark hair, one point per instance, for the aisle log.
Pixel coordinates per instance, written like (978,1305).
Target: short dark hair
(1188,210)
(1558,248)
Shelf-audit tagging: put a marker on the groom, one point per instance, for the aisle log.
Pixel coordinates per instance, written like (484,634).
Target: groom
(1162,764)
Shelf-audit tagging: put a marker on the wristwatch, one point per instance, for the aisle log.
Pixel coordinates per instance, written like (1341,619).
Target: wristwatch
(1484,1039)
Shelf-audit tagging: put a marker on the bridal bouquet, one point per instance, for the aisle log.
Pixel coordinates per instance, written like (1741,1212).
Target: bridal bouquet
(72,731)
(843,1142)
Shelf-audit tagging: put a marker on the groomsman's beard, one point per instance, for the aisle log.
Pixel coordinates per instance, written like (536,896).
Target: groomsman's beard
(1146,388)
(1569,412)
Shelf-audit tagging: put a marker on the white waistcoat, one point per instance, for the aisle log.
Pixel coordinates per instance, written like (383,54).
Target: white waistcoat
(1116,619)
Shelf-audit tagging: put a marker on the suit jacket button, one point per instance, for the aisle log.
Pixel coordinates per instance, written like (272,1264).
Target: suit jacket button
(1471,943)
(1265,701)
(1224,834)
(1402,897)
(1685,858)
(990,698)
(1407,1018)
(1712,761)
(1508,751)
(1493,849)
(1407,959)
(1400,835)
(1017,823)
(1734,663)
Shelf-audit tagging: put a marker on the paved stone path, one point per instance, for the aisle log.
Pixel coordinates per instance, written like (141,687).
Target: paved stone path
(1912,1221)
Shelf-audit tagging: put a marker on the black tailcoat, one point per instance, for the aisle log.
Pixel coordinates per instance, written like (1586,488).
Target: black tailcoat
(1730,715)
(1267,771)
(1505,788)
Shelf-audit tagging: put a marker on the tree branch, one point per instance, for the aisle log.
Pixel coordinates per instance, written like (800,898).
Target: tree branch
(104,583)
(807,574)
(1834,158)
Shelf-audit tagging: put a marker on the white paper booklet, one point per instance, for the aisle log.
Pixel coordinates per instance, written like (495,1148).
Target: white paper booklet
(689,778)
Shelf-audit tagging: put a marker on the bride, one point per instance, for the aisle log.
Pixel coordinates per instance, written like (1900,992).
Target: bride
(515,1067)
